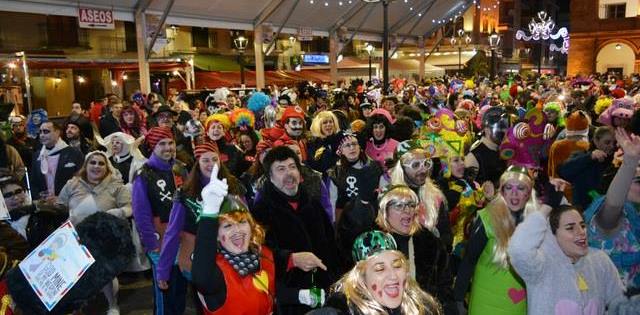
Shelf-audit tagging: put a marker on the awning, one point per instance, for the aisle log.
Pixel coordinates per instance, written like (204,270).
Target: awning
(216,79)
(121,64)
(215,63)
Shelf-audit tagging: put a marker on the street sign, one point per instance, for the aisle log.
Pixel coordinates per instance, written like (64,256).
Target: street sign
(96,18)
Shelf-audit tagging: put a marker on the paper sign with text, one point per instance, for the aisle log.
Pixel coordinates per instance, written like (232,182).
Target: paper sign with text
(55,266)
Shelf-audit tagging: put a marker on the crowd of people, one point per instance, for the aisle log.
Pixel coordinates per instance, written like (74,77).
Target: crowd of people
(506,195)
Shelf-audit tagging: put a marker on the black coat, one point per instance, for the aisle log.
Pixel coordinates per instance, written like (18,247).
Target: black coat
(305,229)
(69,163)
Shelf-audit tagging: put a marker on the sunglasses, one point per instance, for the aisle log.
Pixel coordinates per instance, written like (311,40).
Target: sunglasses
(418,164)
(10,194)
(44,131)
(99,163)
(408,206)
(350,145)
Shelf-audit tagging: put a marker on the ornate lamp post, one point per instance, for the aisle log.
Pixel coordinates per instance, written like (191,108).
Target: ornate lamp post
(541,31)
(462,40)
(494,41)
(241,44)
(369,48)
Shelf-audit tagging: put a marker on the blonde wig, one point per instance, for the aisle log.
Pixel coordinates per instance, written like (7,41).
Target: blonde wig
(501,219)
(395,194)
(414,300)
(316,124)
(430,196)
(257,232)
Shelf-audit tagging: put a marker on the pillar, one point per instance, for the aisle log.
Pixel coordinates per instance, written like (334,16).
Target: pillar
(257,49)
(143,63)
(421,58)
(333,58)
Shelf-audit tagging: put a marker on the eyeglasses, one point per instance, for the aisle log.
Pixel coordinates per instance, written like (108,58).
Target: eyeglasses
(350,145)
(44,131)
(417,164)
(99,163)
(10,194)
(408,206)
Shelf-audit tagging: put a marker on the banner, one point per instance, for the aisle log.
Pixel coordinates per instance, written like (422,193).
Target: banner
(55,266)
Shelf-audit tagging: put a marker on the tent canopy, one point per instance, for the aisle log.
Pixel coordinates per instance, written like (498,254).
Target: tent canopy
(407,18)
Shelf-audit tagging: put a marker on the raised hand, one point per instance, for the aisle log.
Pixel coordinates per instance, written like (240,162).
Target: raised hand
(629,143)
(213,194)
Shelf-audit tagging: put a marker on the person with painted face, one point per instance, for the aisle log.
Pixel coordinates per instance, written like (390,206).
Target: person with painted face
(293,122)
(322,147)
(233,271)
(180,235)
(495,287)
(124,155)
(484,157)
(54,164)
(381,282)
(380,146)
(298,231)
(217,126)
(152,200)
(592,170)
(355,176)
(613,220)
(562,274)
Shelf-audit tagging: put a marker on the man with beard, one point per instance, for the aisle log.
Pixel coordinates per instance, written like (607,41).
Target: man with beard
(74,137)
(298,232)
(152,199)
(293,122)
(413,168)
(19,140)
(484,157)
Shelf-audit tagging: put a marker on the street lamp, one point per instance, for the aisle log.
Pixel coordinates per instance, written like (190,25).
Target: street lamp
(385,43)
(241,44)
(494,41)
(369,48)
(462,40)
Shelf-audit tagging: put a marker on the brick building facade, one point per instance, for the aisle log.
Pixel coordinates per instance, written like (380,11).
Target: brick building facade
(601,39)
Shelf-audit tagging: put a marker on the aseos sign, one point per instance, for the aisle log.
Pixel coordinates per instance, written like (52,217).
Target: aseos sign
(96,18)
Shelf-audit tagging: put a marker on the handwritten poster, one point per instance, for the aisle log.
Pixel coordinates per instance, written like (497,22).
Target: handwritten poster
(55,266)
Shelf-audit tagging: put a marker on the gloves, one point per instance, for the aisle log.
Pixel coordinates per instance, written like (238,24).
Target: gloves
(307,298)
(213,194)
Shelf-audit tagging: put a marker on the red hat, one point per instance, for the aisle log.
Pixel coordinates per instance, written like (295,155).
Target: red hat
(292,112)
(156,134)
(204,148)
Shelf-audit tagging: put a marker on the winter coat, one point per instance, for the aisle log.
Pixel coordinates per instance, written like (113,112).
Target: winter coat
(110,196)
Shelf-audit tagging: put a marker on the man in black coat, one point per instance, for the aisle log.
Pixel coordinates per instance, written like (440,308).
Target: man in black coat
(54,164)
(299,233)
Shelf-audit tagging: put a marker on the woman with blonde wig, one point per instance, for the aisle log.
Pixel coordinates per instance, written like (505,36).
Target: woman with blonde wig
(496,288)
(380,283)
(321,151)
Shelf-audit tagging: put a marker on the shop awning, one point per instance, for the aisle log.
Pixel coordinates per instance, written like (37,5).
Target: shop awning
(165,65)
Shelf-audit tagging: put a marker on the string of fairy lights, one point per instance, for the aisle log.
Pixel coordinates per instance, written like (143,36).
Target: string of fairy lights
(411,6)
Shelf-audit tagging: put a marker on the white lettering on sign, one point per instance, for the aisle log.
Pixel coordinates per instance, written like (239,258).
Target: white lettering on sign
(96,18)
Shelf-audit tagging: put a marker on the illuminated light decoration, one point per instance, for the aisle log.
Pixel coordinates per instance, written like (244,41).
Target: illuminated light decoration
(543,30)
(81,79)
(480,7)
